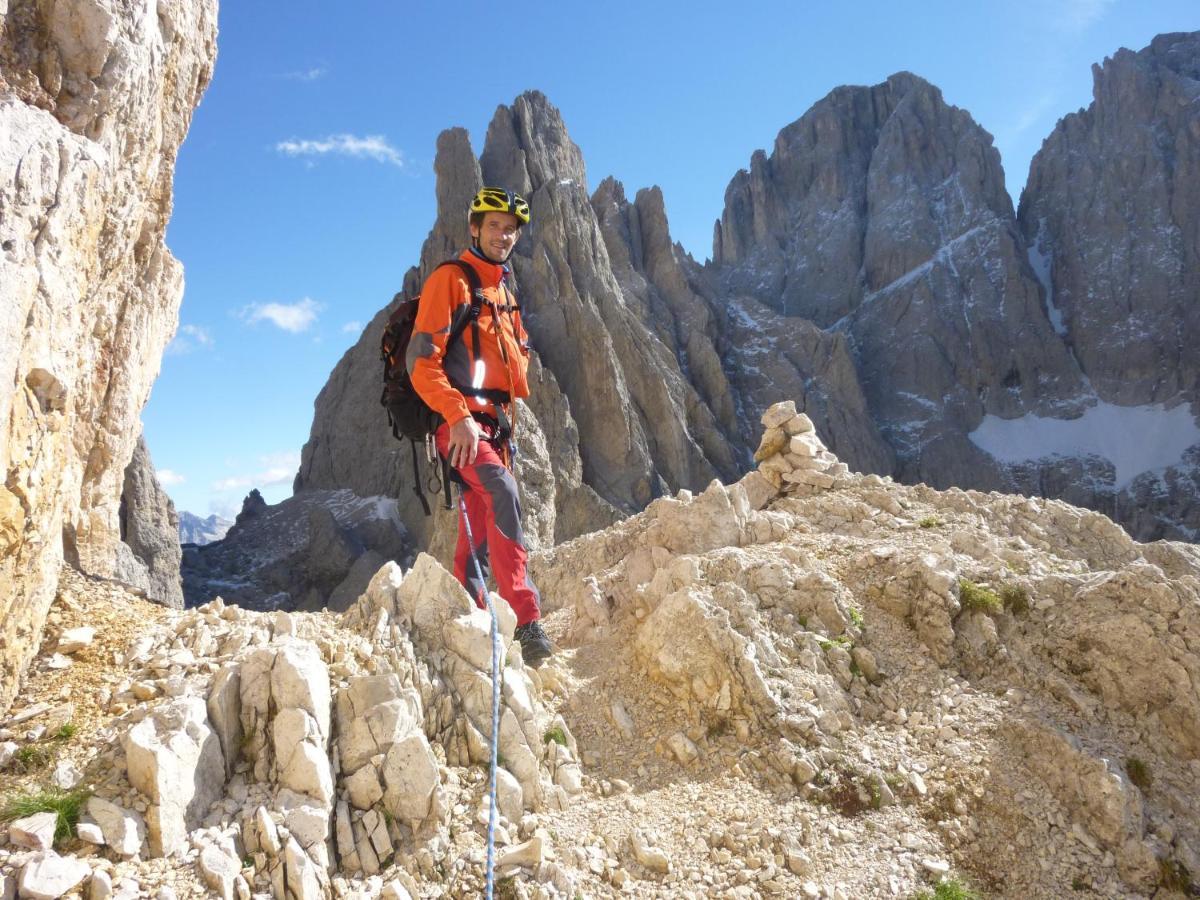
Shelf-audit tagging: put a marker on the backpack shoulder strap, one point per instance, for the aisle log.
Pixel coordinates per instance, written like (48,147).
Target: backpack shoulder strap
(472,278)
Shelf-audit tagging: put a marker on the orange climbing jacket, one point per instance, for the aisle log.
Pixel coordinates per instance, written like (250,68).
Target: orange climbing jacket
(482,372)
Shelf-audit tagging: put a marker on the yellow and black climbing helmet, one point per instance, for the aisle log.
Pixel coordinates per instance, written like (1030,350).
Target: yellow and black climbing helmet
(497,200)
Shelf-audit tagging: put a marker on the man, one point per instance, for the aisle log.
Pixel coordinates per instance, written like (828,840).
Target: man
(472,386)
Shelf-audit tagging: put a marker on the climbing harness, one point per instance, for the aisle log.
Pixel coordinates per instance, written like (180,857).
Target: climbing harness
(487,599)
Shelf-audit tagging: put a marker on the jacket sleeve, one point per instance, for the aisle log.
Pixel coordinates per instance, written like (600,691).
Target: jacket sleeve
(443,294)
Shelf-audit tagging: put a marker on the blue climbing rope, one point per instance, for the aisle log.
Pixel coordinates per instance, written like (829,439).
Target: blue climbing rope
(487,599)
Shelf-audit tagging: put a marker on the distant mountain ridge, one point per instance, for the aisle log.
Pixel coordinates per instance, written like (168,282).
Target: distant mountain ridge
(195,530)
(873,269)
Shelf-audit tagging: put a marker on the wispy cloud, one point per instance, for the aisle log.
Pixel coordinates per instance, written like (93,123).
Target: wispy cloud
(189,338)
(1078,15)
(168,477)
(372,146)
(352,327)
(293,317)
(310,74)
(274,469)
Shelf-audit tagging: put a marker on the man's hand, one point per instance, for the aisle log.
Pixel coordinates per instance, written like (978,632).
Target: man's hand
(464,442)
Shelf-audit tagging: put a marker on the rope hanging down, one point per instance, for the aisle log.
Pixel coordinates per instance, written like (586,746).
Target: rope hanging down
(487,599)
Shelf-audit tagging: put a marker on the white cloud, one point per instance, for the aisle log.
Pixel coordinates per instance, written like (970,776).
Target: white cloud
(275,469)
(167,477)
(352,327)
(189,338)
(1078,15)
(293,317)
(1033,113)
(372,146)
(232,484)
(311,74)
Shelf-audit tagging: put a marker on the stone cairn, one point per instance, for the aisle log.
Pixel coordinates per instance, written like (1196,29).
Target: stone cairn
(792,457)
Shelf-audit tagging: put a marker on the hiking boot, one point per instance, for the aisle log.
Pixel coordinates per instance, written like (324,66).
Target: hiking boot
(535,646)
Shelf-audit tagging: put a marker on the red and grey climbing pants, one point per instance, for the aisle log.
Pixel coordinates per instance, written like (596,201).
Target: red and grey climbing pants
(494,511)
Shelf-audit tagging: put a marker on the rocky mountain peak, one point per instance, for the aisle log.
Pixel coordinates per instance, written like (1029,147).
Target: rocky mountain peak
(1111,213)
(527,146)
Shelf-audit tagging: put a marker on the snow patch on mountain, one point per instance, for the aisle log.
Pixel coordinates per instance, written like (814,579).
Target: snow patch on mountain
(1135,439)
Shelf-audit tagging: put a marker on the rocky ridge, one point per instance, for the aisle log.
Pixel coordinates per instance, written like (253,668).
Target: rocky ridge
(94,103)
(872,266)
(198,531)
(805,683)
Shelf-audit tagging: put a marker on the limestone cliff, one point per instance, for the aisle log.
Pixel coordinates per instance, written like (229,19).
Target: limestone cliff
(149,555)
(95,99)
(882,216)
(1111,214)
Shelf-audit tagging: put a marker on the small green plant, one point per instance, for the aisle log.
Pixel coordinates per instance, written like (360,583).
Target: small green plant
(840,641)
(555,734)
(65,732)
(803,620)
(950,889)
(65,804)
(1079,883)
(30,758)
(930,522)
(855,670)
(876,794)
(976,597)
(1015,599)
(857,618)
(1139,773)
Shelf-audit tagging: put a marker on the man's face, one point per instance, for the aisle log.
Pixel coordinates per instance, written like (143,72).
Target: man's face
(497,234)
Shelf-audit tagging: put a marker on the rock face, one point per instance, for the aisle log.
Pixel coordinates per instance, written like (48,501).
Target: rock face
(1111,216)
(310,551)
(882,216)
(198,531)
(149,554)
(93,107)
(613,419)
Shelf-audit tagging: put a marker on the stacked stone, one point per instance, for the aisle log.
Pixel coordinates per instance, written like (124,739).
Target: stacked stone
(791,455)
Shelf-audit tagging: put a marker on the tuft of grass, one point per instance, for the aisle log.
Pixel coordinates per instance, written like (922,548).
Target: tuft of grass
(977,597)
(555,734)
(950,889)
(857,618)
(1079,883)
(65,732)
(1015,599)
(67,805)
(30,758)
(1139,773)
(840,641)
(930,522)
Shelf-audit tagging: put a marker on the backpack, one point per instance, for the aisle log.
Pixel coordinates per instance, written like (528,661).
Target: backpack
(408,415)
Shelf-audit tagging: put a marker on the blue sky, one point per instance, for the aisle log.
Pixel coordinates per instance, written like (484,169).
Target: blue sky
(305,187)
